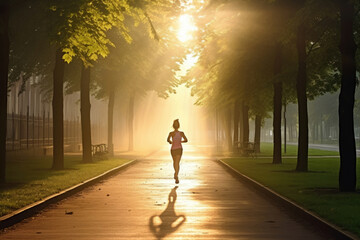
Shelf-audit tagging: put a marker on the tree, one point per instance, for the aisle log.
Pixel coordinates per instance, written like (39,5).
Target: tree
(236,124)
(235,61)
(85,113)
(277,105)
(303,143)
(110,122)
(58,112)
(312,37)
(259,109)
(4,68)
(82,30)
(133,69)
(347,174)
(245,123)
(258,122)
(24,58)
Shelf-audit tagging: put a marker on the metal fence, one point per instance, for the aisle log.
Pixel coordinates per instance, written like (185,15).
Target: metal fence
(26,131)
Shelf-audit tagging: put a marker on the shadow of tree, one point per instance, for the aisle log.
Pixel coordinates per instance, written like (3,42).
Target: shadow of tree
(167,222)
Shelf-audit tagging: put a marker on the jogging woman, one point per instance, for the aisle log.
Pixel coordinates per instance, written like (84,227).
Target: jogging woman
(175,138)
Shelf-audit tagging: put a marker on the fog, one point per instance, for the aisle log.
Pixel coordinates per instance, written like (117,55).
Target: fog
(153,118)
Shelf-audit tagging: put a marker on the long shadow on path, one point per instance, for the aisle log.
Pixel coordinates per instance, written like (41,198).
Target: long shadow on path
(167,222)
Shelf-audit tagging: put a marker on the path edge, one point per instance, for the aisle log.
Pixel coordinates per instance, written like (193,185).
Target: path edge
(30,210)
(290,205)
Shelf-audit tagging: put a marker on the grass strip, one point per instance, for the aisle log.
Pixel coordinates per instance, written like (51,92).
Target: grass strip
(316,190)
(291,150)
(30,179)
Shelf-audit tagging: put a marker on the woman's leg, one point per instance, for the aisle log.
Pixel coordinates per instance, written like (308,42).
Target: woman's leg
(176,161)
(174,157)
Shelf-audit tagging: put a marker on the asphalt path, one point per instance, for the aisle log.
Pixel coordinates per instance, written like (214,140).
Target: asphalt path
(143,202)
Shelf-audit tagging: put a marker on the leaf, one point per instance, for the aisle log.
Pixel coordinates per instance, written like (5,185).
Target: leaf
(67,58)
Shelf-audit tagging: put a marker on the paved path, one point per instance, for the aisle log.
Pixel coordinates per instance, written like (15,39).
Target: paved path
(142,202)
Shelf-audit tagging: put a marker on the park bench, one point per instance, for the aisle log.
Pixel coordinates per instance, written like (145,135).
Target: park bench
(99,149)
(247,148)
(48,150)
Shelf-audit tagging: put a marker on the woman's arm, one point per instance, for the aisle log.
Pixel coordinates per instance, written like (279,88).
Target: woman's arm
(168,139)
(184,137)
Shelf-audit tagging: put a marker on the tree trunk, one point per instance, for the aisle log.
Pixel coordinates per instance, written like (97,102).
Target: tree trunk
(290,132)
(257,133)
(321,130)
(313,132)
(245,126)
(228,130)
(58,111)
(217,131)
(277,106)
(245,115)
(85,113)
(131,120)
(110,122)
(236,125)
(285,128)
(303,140)
(241,123)
(347,174)
(4,69)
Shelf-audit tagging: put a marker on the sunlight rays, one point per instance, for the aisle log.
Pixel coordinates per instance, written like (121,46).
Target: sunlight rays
(186,28)
(190,60)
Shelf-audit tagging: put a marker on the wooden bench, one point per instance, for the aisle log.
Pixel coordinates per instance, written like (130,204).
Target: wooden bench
(47,149)
(247,148)
(99,149)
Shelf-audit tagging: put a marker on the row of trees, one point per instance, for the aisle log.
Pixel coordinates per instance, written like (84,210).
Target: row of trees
(323,118)
(100,46)
(256,56)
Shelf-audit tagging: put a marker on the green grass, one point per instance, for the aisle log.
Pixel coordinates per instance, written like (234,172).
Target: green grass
(291,150)
(316,190)
(30,179)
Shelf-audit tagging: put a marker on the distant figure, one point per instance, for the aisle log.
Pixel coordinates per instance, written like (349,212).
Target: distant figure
(176,138)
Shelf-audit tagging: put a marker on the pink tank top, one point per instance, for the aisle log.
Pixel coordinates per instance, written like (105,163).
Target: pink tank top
(176,141)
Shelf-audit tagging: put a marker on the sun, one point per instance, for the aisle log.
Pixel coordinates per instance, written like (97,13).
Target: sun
(186,28)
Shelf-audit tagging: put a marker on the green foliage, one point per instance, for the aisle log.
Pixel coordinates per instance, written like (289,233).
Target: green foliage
(326,108)
(30,50)
(322,38)
(236,51)
(145,64)
(236,57)
(83,26)
(357,35)
(88,41)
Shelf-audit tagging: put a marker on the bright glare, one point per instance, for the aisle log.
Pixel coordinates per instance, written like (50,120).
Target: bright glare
(154,118)
(186,28)
(189,62)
